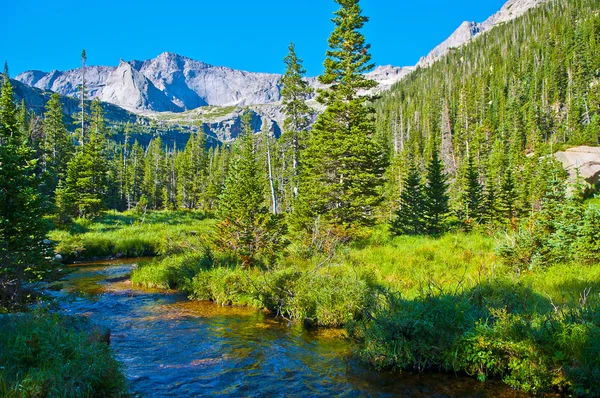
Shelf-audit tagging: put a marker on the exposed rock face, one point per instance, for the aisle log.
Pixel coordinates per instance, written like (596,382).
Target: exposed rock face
(468,30)
(36,100)
(586,159)
(388,75)
(131,90)
(191,84)
(168,82)
(465,32)
(66,83)
(510,10)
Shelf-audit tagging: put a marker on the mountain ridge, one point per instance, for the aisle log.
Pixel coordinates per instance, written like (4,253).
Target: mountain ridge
(176,83)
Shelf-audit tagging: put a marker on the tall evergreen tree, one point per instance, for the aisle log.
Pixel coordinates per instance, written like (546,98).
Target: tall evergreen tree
(83,193)
(22,226)
(154,172)
(8,110)
(342,166)
(58,145)
(410,218)
(294,93)
(246,227)
(471,195)
(82,97)
(436,195)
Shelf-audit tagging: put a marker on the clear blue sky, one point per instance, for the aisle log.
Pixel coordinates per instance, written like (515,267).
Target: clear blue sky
(247,35)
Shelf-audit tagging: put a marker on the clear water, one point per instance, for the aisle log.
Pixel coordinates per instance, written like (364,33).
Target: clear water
(172,347)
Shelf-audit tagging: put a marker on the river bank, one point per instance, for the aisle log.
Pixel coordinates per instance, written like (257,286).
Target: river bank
(170,346)
(447,303)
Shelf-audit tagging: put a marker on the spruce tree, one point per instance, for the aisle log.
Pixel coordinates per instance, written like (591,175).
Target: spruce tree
(154,171)
(342,165)
(8,110)
(294,93)
(82,97)
(83,193)
(507,195)
(22,226)
(436,195)
(472,195)
(410,218)
(23,121)
(58,145)
(246,227)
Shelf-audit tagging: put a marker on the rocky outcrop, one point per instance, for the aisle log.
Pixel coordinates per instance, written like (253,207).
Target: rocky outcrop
(388,75)
(131,90)
(169,82)
(585,159)
(191,84)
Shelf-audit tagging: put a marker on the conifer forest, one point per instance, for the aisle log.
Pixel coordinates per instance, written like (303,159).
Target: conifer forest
(434,227)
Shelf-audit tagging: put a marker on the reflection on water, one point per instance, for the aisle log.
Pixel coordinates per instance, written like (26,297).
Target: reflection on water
(171,347)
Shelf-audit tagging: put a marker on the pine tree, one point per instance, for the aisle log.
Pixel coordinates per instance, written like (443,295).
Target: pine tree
(23,121)
(342,166)
(135,175)
(472,195)
(506,198)
(8,110)
(294,93)
(436,195)
(83,193)
(410,218)
(154,172)
(22,225)
(58,145)
(218,164)
(82,97)
(191,165)
(246,227)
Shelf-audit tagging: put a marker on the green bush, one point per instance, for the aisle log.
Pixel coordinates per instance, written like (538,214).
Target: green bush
(534,347)
(40,356)
(173,272)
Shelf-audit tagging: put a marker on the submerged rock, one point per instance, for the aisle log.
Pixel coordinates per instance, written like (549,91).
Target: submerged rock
(83,324)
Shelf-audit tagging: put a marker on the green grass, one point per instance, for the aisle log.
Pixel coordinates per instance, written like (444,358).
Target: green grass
(131,234)
(40,356)
(407,264)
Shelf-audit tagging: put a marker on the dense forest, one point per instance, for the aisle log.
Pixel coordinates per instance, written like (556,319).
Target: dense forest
(459,150)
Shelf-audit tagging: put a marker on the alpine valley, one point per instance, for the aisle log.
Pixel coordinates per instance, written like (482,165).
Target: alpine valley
(427,231)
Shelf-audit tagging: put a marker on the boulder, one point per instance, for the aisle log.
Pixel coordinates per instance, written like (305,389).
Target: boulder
(586,159)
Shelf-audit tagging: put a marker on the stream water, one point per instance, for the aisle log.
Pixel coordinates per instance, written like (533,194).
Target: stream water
(172,347)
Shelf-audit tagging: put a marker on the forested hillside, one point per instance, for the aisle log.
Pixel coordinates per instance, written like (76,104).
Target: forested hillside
(514,94)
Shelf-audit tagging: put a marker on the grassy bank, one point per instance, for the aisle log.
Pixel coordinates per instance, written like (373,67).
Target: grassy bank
(422,303)
(130,234)
(42,356)
(411,303)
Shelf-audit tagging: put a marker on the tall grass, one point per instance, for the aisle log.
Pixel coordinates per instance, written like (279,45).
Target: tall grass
(41,356)
(131,234)
(420,303)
